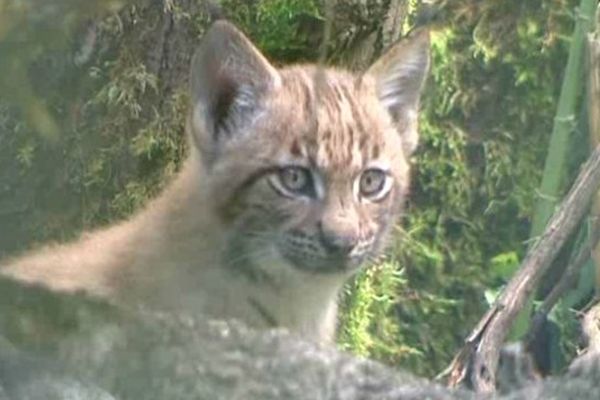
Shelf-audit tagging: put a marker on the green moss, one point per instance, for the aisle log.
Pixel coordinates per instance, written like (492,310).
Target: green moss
(276,26)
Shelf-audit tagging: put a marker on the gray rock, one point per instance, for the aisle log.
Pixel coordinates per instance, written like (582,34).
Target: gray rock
(100,352)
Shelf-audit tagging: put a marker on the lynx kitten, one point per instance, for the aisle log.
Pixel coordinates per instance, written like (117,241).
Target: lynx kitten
(294,179)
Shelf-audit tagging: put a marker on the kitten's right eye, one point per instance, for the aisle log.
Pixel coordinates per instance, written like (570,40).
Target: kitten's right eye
(293,181)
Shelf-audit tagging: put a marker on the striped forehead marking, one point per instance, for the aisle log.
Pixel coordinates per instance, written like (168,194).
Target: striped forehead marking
(338,135)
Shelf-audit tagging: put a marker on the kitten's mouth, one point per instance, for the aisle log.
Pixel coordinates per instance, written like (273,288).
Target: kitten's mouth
(324,264)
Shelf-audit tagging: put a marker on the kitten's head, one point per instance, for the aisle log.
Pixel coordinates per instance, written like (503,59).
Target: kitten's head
(305,165)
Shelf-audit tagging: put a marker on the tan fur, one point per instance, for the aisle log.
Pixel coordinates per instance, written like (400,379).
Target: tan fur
(221,239)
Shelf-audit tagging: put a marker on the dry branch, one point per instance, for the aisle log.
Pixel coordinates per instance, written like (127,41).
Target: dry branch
(567,282)
(477,361)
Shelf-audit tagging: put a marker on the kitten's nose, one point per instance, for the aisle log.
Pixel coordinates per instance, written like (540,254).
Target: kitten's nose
(335,243)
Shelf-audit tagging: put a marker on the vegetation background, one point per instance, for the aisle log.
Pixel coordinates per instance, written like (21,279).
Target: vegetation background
(92,116)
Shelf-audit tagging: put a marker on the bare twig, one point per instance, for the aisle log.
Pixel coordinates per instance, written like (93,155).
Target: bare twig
(478,359)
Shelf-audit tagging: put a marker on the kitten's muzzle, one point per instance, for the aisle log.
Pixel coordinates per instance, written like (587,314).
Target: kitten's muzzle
(338,246)
(326,252)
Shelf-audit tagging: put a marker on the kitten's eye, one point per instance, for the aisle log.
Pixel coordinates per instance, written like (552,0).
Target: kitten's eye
(294,178)
(374,184)
(293,181)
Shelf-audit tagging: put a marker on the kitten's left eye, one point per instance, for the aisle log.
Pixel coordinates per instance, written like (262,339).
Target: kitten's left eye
(374,184)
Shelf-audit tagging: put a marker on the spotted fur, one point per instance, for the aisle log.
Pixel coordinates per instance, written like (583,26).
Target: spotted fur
(294,179)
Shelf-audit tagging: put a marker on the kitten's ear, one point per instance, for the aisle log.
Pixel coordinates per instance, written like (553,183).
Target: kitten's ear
(229,78)
(399,75)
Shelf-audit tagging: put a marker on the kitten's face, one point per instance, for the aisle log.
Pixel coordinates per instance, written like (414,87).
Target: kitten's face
(308,166)
(318,174)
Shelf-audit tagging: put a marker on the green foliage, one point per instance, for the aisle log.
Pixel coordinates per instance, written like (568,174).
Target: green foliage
(121,132)
(484,131)
(562,143)
(276,25)
(29,29)
(127,86)
(374,292)
(567,322)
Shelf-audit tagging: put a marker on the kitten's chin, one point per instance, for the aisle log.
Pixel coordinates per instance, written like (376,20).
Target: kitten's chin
(276,258)
(321,264)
